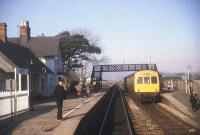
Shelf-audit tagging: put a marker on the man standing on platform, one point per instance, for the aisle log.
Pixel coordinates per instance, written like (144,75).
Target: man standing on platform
(59,93)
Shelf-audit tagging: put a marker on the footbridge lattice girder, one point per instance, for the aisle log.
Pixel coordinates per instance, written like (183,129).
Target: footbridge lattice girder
(99,69)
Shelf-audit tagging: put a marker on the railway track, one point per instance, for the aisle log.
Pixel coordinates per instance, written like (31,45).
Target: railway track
(151,119)
(171,124)
(116,120)
(108,117)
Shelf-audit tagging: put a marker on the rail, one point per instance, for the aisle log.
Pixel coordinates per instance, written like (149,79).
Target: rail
(127,117)
(116,105)
(109,116)
(105,117)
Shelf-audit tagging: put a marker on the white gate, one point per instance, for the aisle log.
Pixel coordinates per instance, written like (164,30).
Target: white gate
(15,97)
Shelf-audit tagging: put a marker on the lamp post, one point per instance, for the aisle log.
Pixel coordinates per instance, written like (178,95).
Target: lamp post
(188,81)
(28,63)
(189,68)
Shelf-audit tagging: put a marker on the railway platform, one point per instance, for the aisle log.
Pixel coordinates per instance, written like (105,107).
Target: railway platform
(179,100)
(42,121)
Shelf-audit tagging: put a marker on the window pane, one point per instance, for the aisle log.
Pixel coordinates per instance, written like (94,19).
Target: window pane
(2,85)
(153,80)
(146,80)
(23,82)
(51,83)
(42,84)
(139,80)
(17,82)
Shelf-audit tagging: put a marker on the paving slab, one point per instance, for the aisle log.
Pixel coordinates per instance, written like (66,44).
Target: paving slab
(42,121)
(71,121)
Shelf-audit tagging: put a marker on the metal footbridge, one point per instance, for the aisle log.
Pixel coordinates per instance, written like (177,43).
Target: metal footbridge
(99,69)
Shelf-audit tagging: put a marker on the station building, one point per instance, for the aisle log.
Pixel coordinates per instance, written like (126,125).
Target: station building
(39,57)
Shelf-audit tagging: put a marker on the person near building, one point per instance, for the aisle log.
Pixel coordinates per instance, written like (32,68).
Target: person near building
(87,88)
(78,88)
(94,85)
(59,93)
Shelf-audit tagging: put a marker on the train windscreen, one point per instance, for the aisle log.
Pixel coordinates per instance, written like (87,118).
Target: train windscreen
(140,80)
(147,80)
(153,80)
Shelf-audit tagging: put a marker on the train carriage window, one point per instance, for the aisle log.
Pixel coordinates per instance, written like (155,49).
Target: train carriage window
(140,80)
(146,80)
(153,80)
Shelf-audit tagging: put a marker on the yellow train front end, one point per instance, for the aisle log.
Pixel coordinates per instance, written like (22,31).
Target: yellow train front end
(146,85)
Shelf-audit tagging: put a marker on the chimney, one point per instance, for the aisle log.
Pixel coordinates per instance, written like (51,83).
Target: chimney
(24,32)
(3,32)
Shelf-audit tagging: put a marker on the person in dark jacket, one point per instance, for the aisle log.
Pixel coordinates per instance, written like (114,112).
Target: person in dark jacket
(194,100)
(59,93)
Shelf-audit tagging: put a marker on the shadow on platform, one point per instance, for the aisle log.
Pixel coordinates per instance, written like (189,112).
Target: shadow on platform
(8,125)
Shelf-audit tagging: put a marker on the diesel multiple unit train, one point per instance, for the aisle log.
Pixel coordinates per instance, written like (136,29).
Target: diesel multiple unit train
(144,85)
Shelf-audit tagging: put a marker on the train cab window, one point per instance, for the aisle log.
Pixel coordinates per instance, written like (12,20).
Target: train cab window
(153,80)
(147,80)
(140,80)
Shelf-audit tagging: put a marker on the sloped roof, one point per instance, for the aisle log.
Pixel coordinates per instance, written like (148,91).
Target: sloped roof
(21,56)
(41,46)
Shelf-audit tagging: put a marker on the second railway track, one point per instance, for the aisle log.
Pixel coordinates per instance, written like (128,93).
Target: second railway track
(150,119)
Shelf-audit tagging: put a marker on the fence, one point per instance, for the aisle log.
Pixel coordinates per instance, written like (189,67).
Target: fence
(181,84)
(14,95)
(12,101)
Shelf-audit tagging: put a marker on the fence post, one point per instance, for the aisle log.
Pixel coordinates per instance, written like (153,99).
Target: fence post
(11,105)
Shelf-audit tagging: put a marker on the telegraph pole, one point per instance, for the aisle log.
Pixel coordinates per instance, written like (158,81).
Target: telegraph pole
(188,80)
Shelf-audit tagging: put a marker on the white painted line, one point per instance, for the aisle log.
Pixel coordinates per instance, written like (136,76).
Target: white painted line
(68,113)
(90,98)
(79,106)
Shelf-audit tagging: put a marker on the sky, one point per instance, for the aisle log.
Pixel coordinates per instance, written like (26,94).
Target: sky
(165,32)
